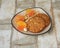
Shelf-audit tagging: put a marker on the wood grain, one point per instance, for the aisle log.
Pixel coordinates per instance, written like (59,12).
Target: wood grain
(10,38)
(56,11)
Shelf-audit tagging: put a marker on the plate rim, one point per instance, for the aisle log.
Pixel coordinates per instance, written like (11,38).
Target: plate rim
(32,34)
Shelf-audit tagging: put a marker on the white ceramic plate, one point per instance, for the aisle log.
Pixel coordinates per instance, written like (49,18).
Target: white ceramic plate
(38,9)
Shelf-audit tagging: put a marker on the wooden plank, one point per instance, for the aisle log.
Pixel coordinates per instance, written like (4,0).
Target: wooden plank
(5,36)
(0,3)
(28,46)
(25,4)
(7,10)
(47,40)
(6,13)
(57,25)
(57,20)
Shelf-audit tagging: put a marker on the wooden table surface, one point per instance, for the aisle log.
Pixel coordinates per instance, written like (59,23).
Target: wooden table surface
(10,38)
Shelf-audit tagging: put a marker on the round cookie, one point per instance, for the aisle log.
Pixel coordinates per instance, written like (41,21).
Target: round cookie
(45,17)
(36,24)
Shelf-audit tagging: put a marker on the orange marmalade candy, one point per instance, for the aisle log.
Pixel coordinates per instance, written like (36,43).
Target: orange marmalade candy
(20,28)
(19,17)
(21,25)
(30,12)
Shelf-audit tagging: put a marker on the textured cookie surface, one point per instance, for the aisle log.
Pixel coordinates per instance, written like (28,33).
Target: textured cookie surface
(36,24)
(46,18)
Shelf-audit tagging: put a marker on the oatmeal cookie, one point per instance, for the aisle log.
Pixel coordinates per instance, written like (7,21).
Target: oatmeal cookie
(45,17)
(35,24)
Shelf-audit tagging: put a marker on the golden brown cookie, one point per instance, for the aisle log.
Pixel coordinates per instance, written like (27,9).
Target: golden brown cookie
(45,17)
(35,24)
